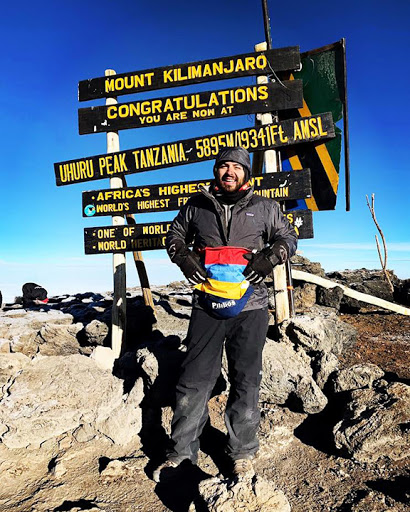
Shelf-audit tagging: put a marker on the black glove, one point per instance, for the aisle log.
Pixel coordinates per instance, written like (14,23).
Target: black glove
(259,266)
(192,269)
(262,263)
(281,250)
(188,261)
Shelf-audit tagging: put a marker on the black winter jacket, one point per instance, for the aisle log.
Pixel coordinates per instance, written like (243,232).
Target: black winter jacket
(255,223)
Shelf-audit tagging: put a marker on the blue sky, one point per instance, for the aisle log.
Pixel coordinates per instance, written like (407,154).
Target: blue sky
(48,47)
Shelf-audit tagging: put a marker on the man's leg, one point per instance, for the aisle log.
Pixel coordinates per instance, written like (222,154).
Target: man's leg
(246,335)
(199,372)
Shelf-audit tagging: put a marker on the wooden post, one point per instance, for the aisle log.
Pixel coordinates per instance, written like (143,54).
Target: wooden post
(141,270)
(272,164)
(119,306)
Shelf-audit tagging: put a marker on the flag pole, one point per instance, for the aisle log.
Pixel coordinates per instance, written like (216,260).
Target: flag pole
(266,23)
(346,129)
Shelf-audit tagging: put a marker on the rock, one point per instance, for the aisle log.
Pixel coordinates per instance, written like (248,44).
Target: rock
(58,340)
(319,334)
(104,357)
(356,377)
(366,500)
(127,470)
(304,296)
(96,332)
(159,364)
(26,331)
(124,422)
(376,424)
(350,305)
(4,346)
(331,297)
(367,281)
(402,292)
(258,495)
(10,365)
(323,366)
(54,395)
(287,374)
(301,263)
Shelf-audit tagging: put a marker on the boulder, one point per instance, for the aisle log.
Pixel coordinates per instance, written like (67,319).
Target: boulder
(402,292)
(256,495)
(10,365)
(4,346)
(364,280)
(330,297)
(158,363)
(324,365)
(125,421)
(104,357)
(30,332)
(96,332)
(304,296)
(58,340)
(356,377)
(350,305)
(319,334)
(286,374)
(376,423)
(301,263)
(54,395)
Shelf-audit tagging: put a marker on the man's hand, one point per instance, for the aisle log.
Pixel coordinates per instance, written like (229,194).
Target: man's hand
(262,263)
(281,250)
(188,261)
(258,268)
(192,269)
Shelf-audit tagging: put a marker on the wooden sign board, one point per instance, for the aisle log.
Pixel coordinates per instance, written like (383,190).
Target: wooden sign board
(189,151)
(280,186)
(191,107)
(148,237)
(261,63)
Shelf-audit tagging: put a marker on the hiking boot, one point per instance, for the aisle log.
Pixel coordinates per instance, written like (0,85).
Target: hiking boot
(168,464)
(243,468)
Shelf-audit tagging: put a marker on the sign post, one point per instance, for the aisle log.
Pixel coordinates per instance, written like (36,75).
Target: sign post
(119,306)
(271,160)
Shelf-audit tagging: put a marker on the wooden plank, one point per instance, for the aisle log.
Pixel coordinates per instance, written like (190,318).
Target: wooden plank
(191,107)
(151,236)
(281,186)
(188,151)
(248,64)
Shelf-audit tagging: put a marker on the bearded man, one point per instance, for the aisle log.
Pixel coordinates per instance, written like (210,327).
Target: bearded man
(238,237)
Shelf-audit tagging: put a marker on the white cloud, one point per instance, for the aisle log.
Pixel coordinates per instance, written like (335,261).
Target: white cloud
(393,246)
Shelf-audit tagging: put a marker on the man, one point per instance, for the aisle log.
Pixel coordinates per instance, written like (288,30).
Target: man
(238,237)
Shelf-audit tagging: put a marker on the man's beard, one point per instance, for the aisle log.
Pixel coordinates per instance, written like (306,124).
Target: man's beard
(230,189)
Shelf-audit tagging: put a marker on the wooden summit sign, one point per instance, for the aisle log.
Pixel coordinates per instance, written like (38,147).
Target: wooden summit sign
(146,237)
(280,186)
(191,107)
(260,63)
(188,151)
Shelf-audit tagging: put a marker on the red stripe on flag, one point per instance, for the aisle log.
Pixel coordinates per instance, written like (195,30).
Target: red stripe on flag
(225,255)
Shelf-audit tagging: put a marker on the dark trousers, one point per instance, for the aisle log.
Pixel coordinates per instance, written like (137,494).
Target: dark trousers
(245,337)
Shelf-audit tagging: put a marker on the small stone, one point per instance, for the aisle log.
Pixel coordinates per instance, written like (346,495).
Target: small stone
(356,377)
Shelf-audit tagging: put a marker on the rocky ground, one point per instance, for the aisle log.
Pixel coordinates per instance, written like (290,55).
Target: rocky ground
(335,401)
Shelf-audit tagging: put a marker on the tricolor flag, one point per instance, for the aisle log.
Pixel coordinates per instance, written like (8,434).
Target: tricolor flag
(225,291)
(324,90)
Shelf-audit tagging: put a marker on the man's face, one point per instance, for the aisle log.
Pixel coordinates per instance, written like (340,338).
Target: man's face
(230,176)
